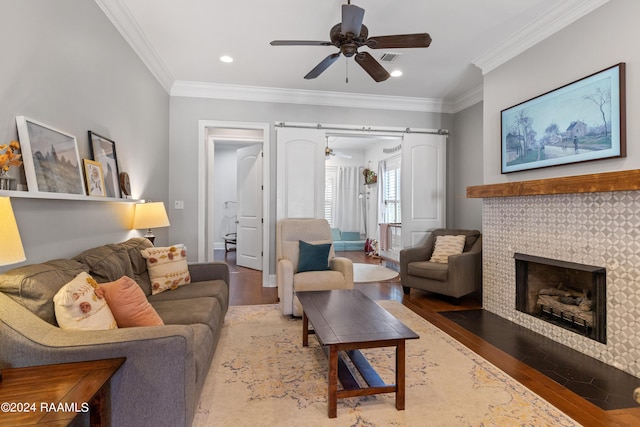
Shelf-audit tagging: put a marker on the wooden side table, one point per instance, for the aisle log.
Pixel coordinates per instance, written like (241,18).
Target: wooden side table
(54,395)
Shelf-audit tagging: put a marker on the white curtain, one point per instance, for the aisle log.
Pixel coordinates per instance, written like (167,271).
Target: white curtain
(380,209)
(347,203)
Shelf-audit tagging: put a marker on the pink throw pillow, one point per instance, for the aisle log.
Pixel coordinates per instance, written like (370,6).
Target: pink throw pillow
(129,305)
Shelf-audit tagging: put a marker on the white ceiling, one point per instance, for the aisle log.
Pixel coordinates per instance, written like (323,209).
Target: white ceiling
(182,41)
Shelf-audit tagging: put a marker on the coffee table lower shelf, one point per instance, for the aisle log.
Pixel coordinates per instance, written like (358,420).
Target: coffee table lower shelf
(350,385)
(338,370)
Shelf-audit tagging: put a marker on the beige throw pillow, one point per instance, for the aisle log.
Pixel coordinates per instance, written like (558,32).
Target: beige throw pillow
(80,305)
(167,267)
(445,246)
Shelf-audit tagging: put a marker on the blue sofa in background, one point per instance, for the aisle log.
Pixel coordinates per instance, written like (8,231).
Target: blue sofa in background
(347,240)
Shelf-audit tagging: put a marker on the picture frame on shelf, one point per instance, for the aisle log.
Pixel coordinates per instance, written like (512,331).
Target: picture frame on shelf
(103,150)
(94,178)
(50,158)
(582,121)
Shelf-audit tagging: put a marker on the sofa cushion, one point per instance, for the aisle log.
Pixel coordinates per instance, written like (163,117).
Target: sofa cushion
(110,262)
(167,267)
(80,305)
(204,310)
(129,304)
(429,270)
(336,234)
(33,286)
(446,246)
(313,257)
(217,289)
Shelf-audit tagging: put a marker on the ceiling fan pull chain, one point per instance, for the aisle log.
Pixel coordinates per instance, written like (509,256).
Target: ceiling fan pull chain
(347,79)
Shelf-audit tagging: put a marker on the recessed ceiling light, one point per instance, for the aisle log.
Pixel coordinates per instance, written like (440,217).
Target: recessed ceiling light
(226,58)
(396,73)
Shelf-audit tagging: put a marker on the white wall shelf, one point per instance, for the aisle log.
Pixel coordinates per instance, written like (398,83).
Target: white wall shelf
(62,196)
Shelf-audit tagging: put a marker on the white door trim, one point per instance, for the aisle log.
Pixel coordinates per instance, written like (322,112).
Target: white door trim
(205,189)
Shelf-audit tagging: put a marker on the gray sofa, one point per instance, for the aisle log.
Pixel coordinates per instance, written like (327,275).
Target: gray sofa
(160,382)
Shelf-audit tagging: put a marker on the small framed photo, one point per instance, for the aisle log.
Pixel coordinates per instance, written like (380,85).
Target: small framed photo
(50,156)
(103,150)
(94,178)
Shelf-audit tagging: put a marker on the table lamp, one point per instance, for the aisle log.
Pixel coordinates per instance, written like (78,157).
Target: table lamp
(11,250)
(150,215)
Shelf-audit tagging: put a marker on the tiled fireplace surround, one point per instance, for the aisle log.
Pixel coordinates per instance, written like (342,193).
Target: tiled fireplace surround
(601,229)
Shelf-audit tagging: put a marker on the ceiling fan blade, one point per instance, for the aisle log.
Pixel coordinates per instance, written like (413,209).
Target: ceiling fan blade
(371,66)
(323,65)
(299,43)
(352,17)
(399,41)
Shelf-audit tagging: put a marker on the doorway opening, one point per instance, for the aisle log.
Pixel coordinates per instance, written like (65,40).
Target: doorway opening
(233,202)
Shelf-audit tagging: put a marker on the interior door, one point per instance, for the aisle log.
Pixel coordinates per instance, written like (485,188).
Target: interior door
(423,186)
(249,214)
(300,180)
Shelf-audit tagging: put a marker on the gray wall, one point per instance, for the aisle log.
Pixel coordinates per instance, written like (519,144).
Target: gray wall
(597,41)
(186,112)
(465,168)
(65,64)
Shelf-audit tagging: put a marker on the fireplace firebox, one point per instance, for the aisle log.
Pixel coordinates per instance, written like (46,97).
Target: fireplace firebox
(567,294)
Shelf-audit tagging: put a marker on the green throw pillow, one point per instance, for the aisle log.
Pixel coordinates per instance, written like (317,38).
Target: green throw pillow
(313,257)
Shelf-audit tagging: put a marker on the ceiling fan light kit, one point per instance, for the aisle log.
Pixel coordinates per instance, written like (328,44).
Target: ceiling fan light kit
(350,35)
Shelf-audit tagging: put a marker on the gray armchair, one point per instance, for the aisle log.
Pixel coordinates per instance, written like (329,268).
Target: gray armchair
(460,276)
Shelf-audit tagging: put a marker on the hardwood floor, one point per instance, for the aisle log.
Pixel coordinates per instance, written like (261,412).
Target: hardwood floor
(246,289)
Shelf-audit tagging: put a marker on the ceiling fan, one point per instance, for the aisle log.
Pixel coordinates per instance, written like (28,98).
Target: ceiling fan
(328,151)
(351,34)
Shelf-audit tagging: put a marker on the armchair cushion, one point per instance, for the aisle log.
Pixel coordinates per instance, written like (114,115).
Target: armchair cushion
(313,257)
(447,245)
(429,270)
(318,281)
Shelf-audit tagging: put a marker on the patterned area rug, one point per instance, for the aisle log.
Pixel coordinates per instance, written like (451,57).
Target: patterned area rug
(365,273)
(262,376)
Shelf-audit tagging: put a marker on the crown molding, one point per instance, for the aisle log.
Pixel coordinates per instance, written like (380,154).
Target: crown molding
(121,17)
(467,99)
(310,97)
(557,18)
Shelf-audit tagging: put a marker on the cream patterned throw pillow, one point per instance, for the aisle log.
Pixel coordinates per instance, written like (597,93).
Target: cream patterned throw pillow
(167,267)
(445,246)
(80,305)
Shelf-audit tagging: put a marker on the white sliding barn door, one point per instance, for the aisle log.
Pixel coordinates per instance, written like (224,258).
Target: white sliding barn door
(300,179)
(423,186)
(249,179)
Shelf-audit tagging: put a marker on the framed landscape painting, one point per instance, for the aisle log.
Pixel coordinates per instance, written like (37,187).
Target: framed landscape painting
(104,151)
(579,122)
(50,156)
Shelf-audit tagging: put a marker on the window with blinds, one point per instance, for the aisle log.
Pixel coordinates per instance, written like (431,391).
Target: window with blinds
(391,190)
(329,192)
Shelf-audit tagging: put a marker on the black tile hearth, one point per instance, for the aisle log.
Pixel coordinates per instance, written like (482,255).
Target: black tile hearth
(603,385)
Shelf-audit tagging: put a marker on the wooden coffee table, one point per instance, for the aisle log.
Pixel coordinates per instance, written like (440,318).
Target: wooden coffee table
(346,321)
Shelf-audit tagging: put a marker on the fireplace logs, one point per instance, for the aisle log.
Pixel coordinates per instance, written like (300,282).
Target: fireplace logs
(568,304)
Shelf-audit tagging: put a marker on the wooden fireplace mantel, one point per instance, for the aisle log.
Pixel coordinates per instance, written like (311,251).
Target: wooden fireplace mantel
(628,180)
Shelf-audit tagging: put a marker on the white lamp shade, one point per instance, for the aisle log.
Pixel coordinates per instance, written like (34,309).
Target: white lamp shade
(11,250)
(150,215)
